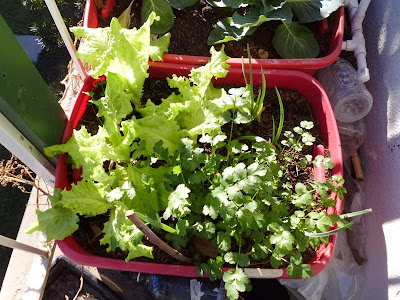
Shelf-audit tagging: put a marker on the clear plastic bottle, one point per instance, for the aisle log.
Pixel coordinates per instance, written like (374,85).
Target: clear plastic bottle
(352,136)
(350,99)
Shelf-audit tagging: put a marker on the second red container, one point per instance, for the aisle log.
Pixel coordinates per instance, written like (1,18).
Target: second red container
(308,65)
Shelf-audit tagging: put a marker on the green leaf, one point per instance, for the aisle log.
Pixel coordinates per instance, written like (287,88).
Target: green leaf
(115,105)
(55,199)
(338,179)
(86,151)
(356,213)
(307,125)
(327,163)
(257,16)
(86,198)
(181,3)
(118,50)
(303,200)
(115,195)
(261,250)
(223,241)
(162,9)
(237,258)
(276,261)
(205,229)
(283,241)
(293,40)
(155,128)
(226,31)
(320,220)
(129,189)
(297,269)
(178,241)
(182,226)
(300,188)
(308,11)
(296,218)
(328,233)
(120,232)
(213,268)
(56,222)
(227,3)
(236,281)
(149,185)
(159,46)
(125,18)
(156,223)
(178,204)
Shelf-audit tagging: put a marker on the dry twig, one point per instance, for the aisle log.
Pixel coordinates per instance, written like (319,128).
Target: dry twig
(18,175)
(80,286)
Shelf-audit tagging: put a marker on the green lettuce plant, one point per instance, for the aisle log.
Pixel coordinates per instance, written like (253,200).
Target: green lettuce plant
(291,39)
(198,180)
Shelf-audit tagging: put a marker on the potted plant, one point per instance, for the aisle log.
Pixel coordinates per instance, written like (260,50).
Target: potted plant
(312,12)
(186,172)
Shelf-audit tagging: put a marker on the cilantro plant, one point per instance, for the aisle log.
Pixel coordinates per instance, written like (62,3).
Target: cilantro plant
(291,39)
(176,167)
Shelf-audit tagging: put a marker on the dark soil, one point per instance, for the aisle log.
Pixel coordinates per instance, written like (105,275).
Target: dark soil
(193,25)
(296,110)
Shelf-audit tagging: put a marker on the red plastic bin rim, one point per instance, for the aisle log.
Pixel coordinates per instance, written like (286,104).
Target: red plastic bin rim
(309,65)
(300,81)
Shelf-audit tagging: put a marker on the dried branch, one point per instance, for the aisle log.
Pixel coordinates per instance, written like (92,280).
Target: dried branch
(19,175)
(153,238)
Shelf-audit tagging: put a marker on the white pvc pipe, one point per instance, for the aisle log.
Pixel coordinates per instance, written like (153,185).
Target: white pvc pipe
(58,20)
(16,143)
(357,43)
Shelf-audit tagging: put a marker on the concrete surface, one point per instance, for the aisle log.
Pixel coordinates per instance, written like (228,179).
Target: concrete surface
(19,272)
(31,46)
(381,151)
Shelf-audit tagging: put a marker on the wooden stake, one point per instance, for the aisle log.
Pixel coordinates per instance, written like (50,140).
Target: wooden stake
(152,237)
(58,20)
(358,171)
(10,243)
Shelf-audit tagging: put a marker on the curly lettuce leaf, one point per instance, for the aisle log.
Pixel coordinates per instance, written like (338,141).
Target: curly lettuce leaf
(121,51)
(86,198)
(88,152)
(155,128)
(159,46)
(120,232)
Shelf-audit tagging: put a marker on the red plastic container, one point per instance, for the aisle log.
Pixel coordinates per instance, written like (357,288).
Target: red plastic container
(308,65)
(303,83)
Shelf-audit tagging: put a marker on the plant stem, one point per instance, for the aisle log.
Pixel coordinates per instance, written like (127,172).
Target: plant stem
(230,139)
(153,238)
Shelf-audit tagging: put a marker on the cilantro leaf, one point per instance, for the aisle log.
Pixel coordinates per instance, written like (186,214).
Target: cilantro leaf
(178,204)
(283,241)
(213,268)
(236,281)
(237,258)
(296,269)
